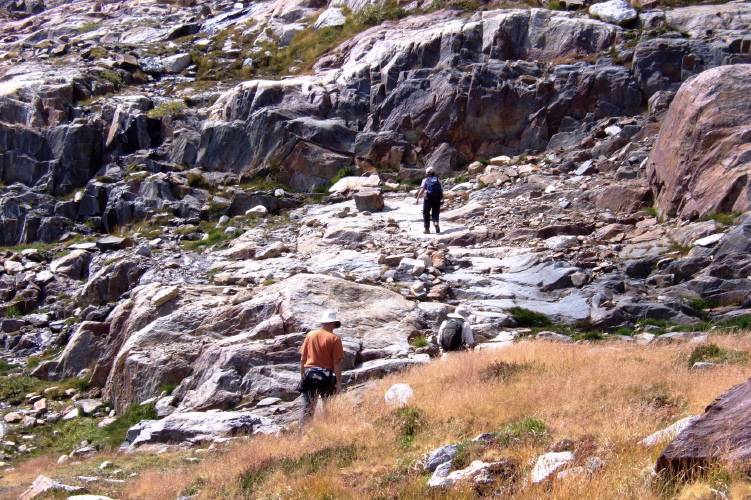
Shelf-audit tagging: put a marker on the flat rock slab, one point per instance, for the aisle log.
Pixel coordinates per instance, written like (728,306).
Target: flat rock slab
(197,427)
(113,243)
(722,433)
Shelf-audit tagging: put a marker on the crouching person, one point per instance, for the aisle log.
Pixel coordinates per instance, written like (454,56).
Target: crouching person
(320,365)
(455,334)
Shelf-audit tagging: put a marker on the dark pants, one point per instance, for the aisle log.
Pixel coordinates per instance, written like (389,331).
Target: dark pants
(430,206)
(310,399)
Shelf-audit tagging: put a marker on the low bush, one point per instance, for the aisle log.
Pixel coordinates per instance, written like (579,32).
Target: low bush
(169,108)
(529,319)
(112,77)
(88,27)
(419,341)
(13,312)
(375,14)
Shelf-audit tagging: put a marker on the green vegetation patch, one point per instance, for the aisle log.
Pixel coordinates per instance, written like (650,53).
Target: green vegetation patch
(13,312)
(13,389)
(418,341)
(169,108)
(375,14)
(725,219)
(529,319)
(66,435)
(112,77)
(525,432)
(88,27)
(714,354)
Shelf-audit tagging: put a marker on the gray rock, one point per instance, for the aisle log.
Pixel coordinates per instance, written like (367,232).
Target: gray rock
(75,265)
(330,18)
(736,241)
(547,464)
(617,12)
(441,456)
(413,267)
(176,63)
(196,427)
(113,243)
(554,337)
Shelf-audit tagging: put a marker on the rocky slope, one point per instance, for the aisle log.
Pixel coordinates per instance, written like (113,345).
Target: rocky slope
(578,154)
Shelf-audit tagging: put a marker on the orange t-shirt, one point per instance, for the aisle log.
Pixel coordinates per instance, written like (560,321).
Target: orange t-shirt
(321,349)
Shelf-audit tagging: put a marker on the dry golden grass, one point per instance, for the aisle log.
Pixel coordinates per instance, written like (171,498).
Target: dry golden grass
(603,397)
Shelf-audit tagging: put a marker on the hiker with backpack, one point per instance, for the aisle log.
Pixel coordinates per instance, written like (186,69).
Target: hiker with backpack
(455,333)
(320,365)
(432,188)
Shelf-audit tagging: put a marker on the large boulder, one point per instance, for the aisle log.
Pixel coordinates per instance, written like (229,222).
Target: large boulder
(699,164)
(249,345)
(74,265)
(721,434)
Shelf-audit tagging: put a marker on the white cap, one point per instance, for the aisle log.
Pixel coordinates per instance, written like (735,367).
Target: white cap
(430,170)
(329,317)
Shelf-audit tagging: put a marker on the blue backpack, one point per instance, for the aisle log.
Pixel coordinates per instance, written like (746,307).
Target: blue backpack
(433,188)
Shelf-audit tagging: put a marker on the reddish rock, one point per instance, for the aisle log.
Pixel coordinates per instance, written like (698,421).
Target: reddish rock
(622,200)
(723,433)
(699,163)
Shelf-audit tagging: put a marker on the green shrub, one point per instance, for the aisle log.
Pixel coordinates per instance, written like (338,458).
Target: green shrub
(343,172)
(13,312)
(529,430)
(699,304)
(529,319)
(196,180)
(88,27)
(375,14)
(722,218)
(112,77)
(106,179)
(169,108)
(590,335)
(6,367)
(419,341)
(743,322)
(713,354)
(652,211)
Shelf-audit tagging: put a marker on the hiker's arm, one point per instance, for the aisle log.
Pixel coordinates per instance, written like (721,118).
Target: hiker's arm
(419,195)
(302,367)
(338,373)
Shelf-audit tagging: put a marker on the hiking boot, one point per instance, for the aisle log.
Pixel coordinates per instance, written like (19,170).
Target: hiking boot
(437,227)
(426,231)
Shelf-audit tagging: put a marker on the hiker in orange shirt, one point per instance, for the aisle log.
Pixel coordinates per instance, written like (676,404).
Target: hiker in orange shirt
(321,365)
